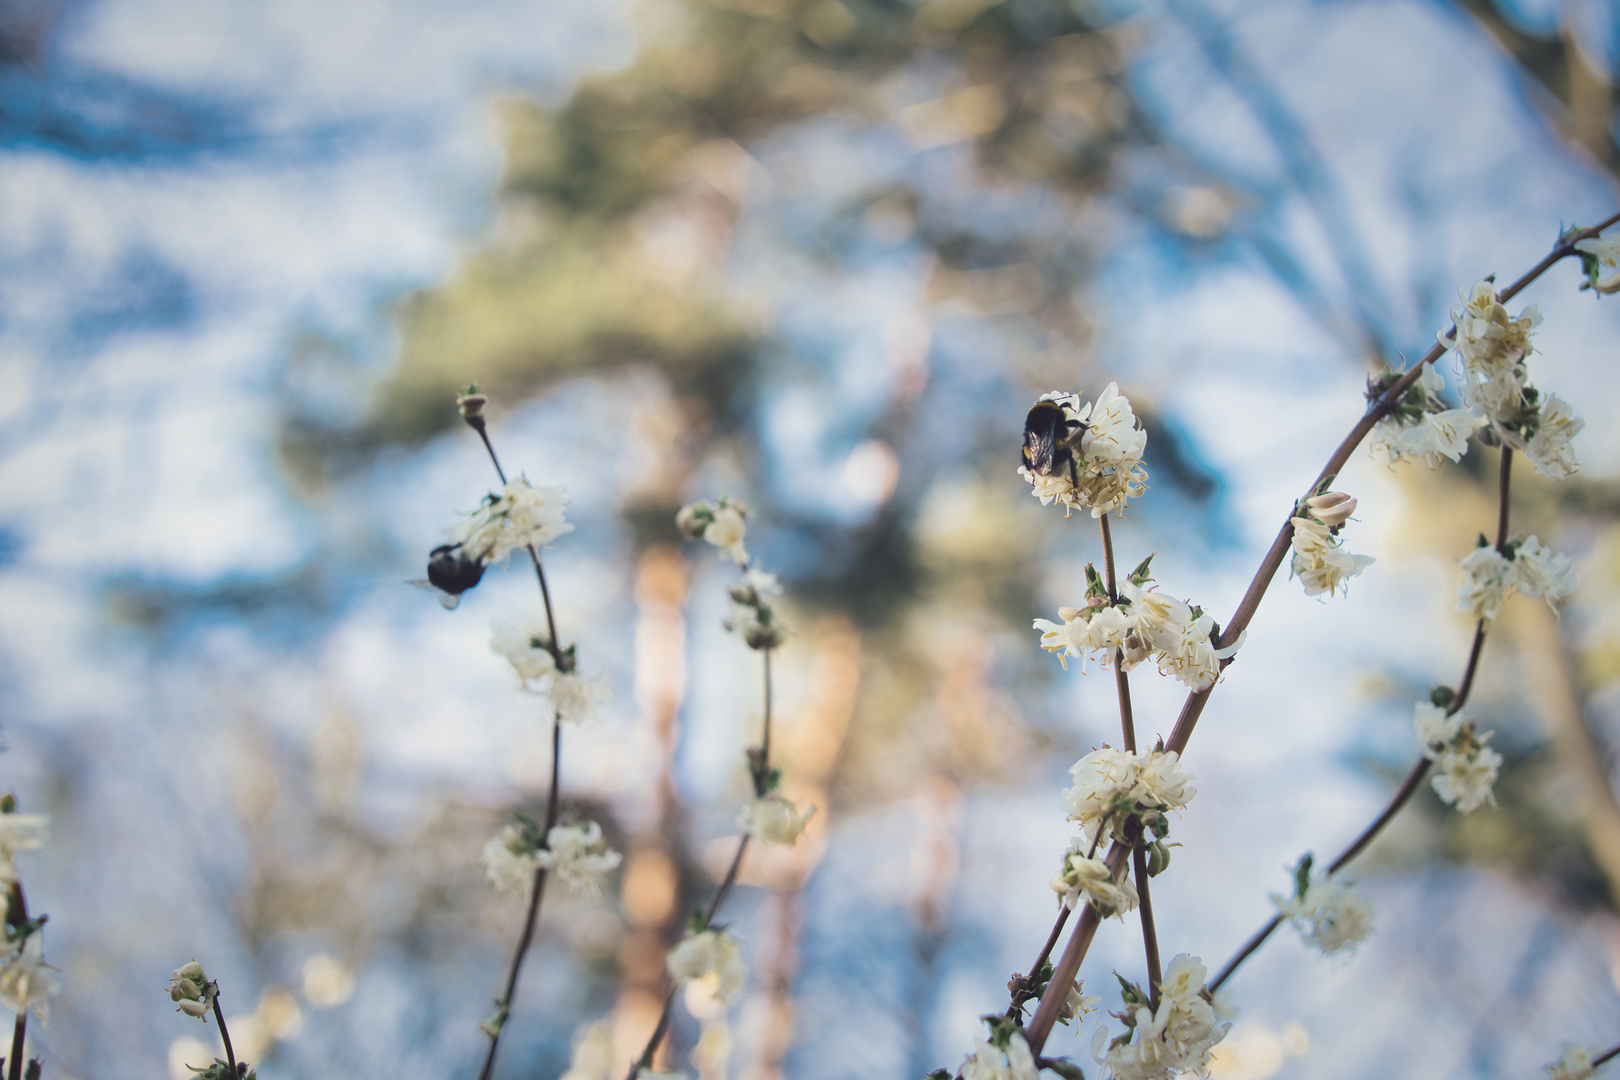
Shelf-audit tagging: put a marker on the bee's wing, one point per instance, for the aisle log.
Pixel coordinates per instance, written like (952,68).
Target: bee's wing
(448,601)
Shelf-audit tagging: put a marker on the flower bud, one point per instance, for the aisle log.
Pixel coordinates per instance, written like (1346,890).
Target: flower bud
(192,971)
(1332,508)
(746,595)
(694,518)
(198,1009)
(762,637)
(184,988)
(471,404)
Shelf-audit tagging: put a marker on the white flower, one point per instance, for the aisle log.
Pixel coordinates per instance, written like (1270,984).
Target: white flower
(1488,581)
(1607,251)
(510,860)
(575,697)
(1107,468)
(521,516)
(988,1063)
(1549,449)
(1435,435)
(527,653)
(1078,1003)
(1177,1038)
(1465,778)
(593,1052)
(1080,877)
(578,857)
(726,532)
(1320,562)
(713,951)
(1541,572)
(1191,655)
(1436,730)
(1109,784)
(1163,782)
(1492,347)
(1574,1064)
(18,833)
(774,820)
(1114,434)
(1332,915)
(26,981)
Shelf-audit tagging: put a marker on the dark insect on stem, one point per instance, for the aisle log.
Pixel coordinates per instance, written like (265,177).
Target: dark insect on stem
(451,572)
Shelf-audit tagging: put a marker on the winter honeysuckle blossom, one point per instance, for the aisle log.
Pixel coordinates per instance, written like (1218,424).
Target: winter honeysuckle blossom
(1575,1063)
(1492,347)
(522,516)
(1548,448)
(593,1052)
(990,1063)
(774,820)
(1176,1038)
(1096,463)
(575,698)
(724,523)
(1489,577)
(1088,879)
(1331,915)
(191,991)
(1144,624)
(528,653)
(578,857)
(18,833)
(712,952)
(510,858)
(1109,785)
(1596,253)
(27,981)
(1320,561)
(1464,766)
(1420,427)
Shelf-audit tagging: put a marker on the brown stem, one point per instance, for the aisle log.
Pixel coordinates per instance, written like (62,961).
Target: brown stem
(225,1036)
(17,915)
(1606,1055)
(1414,778)
(1016,1008)
(1241,618)
(1108,560)
(762,772)
(537,892)
(1057,990)
(1150,934)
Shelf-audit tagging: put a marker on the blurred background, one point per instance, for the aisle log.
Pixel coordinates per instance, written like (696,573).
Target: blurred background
(821,255)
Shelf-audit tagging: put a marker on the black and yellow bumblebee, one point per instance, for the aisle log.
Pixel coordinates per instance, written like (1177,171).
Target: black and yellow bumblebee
(1050,438)
(451,572)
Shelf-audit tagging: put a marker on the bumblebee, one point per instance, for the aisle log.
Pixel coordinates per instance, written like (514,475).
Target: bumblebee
(451,572)
(1049,440)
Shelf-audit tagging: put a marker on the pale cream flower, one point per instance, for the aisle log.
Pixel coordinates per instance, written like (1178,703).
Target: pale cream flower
(526,652)
(1435,729)
(710,951)
(510,860)
(1163,782)
(1487,582)
(1542,573)
(521,516)
(988,1063)
(727,530)
(1090,879)
(1607,251)
(1434,436)
(1492,347)
(1574,1064)
(1178,1038)
(1103,780)
(578,857)
(27,981)
(774,820)
(1549,449)
(1320,561)
(1108,462)
(1332,915)
(1465,779)
(575,697)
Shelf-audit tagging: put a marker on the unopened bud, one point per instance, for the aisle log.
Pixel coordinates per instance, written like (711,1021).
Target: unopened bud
(192,971)
(746,595)
(1332,508)
(694,518)
(762,637)
(471,404)
(1158,859)
(184,988)
(194,1008)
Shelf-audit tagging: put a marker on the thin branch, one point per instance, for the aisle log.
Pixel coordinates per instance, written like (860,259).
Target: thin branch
(1057,990)
(1414,778)
(1150,933)
(17,915)
(1021,986)
(761,768)
(1606,1055)
(225,1036)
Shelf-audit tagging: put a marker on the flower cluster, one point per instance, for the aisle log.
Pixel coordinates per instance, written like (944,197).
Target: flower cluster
(1320,561)
(593,1052)
(1575,1063)
(1111,785)
(1420,427)
(1094,460)
(1144,624)
(575,854)
(1082,878)
(18,833)
(723,524)
(521,516)
(1596,253)
(1177,1037)
(190,989)
(1012,1061)
(1464,767)
(1331,915)
(712,955)
(1493,347)
(774,819)
(573,698)
(1490,577)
